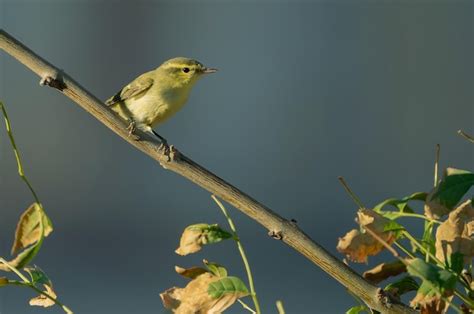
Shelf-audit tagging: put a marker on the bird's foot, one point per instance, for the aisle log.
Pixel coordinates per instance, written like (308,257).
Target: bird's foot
(131,130)
(166,149)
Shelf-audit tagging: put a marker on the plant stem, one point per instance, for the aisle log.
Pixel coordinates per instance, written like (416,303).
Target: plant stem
(351,194)
(17,155)
(15,270)
(279,305)
(466,136)
(27,283)
(32,286)
(415,216)
(421,247)
(404,249)
(245,306)
(436,165)
(242,254)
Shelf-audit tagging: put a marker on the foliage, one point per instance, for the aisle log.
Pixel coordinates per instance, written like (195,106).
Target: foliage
(437,267)
(33,226)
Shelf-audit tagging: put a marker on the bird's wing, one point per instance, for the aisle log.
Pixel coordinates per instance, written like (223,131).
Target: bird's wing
(138,86)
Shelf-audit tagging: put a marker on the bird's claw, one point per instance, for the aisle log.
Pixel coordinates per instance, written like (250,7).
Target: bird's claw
(166,149)
(131,129)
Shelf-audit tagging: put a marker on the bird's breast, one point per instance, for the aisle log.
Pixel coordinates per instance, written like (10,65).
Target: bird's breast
(155,108)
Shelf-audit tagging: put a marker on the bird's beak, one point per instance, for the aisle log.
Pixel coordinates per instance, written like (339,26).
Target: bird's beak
(208,70)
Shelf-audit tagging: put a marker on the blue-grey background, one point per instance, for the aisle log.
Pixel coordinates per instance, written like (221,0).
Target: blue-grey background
(306,91)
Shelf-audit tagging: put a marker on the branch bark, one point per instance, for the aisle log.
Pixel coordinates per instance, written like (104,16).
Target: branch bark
(279,228)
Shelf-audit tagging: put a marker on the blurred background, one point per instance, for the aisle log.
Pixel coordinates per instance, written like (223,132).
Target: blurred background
(306,91)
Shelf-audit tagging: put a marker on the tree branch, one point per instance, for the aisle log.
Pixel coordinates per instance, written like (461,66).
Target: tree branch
(279,228)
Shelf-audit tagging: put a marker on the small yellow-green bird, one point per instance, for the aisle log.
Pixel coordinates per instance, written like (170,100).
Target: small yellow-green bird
(155,96)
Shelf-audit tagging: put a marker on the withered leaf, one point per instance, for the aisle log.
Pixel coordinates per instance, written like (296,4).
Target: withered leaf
(359,245)
(195,236)
(195,298)
(455,234)
(42,300)
(384,271)
(436,285)
(191,273)
(28,230)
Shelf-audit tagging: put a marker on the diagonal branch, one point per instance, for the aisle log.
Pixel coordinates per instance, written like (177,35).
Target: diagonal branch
(279,228)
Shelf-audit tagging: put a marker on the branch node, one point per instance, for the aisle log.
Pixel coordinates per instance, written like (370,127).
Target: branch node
(384,298)
(55,81)
(277,235)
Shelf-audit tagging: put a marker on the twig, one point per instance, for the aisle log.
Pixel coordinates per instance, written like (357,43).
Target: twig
(242,253)
(179,163)
(351,194)
(279,305)
(29,284)
(436,165)
(21,172)
(245,306)
(466,136)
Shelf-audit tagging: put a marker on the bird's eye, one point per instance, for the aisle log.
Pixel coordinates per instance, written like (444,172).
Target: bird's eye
(185,70)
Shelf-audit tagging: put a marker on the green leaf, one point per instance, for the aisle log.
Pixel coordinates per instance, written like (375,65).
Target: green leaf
(212,233)
(216,269)
(24,257)
(428,240)
(435,280)
(37,275)
(455,262)
(401,204)
(402,286)
(452,187)
(232,285)
(392,225)
(357,309)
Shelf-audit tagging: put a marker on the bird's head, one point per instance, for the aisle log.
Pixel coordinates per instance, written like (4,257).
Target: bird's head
(183,72)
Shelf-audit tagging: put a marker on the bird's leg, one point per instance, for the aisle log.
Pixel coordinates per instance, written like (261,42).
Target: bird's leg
(162,139)
(164,143)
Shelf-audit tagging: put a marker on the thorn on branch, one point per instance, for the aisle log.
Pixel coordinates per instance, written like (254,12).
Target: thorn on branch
(56,82)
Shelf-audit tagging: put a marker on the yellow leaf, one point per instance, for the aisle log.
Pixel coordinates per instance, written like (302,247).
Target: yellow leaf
(454,234)
(42,300)
(28,230)
(194,298)
(359,245)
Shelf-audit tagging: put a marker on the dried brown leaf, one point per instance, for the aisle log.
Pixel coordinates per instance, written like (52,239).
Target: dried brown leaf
(384,270)
(28,230)
(454,234)
(190,242)
(430,304)
(42,300)
(433,209)
(359,245)
(194,298)
(192,272)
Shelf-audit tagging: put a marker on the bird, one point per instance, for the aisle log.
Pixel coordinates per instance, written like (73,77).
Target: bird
(155,96)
